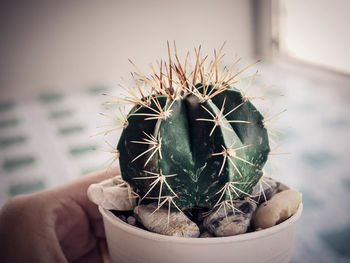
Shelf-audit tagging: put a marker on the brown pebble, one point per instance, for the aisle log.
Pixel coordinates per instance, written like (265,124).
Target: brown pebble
(280,207)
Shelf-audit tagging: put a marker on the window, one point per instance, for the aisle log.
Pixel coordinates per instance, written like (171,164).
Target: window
(313,31)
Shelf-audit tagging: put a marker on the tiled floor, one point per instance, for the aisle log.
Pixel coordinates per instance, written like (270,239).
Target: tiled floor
(45,140)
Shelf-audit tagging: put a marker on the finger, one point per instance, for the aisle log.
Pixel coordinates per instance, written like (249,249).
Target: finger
(97,228)
(77,190)
(23,237)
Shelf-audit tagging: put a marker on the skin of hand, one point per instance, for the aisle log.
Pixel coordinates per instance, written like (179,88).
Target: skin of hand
(54,225)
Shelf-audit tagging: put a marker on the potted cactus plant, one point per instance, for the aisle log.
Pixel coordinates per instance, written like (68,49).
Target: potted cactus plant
(194,142)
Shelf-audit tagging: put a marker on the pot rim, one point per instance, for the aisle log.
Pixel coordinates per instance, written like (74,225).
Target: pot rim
(116,222)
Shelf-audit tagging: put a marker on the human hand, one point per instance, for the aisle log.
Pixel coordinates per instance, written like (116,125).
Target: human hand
(54,225)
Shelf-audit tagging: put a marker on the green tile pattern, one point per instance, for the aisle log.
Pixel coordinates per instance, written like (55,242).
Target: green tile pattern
(26,187)
(319,158)
(98,89)
(15,163)
(85,171)
(8,123)
(70,130)
(346,183)
(338,240)
(6,105)
(310,202)
(49,97)
(11,141)
(81,150)
(59,114)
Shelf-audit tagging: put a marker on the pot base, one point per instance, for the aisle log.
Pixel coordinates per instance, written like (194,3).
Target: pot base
(129,244)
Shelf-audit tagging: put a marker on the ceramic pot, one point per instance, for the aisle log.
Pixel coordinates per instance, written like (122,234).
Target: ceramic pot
(129,244)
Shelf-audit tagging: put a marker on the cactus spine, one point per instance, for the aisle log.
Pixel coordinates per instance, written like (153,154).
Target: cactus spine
(191,139)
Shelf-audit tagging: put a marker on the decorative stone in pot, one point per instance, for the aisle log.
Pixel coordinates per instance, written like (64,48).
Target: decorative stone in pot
(128,243)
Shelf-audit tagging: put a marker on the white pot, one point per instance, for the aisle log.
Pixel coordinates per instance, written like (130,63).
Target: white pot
(129,244)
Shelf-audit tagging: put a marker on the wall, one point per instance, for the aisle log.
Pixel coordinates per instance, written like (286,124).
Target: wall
(68,44)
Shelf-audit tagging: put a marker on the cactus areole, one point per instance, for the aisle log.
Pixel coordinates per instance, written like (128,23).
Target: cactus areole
(191,139)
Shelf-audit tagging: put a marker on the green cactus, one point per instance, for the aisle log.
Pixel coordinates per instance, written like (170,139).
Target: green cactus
(192,140)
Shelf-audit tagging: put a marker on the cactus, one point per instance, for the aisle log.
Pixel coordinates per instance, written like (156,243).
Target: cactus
(191,139)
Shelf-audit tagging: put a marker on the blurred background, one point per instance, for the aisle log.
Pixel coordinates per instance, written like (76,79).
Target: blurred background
(57,58)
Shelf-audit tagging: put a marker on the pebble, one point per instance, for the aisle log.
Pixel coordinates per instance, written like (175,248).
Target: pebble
(131,221)
(112,193)
(229,223)
(179,224)
(265,189)
(280,207)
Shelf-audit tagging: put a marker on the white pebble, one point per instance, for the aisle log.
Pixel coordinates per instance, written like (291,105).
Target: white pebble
(110,195)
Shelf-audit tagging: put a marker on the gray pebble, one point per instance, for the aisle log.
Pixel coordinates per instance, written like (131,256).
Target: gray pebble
(122,217)
(265,189)
(230,222)
(131,220)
